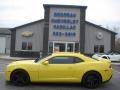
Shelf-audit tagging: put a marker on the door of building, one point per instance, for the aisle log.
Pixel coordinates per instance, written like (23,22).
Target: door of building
(2,45)
(64,46)
(59,46)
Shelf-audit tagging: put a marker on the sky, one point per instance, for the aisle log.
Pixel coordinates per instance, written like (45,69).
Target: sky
(18,12)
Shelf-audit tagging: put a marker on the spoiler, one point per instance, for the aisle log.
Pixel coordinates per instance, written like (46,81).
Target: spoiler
(104,60)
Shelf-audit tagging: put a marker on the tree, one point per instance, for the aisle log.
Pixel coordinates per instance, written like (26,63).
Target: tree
(117,45)
(117,39)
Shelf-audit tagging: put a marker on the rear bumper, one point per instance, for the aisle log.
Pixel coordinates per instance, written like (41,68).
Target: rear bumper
(108,80)
(106,75)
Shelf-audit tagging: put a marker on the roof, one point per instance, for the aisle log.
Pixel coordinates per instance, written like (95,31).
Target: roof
(5,31)
(65,6)
(67,53)
(24,25)
(97,26)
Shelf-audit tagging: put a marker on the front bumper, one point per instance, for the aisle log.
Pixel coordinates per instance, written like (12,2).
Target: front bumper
(7,75)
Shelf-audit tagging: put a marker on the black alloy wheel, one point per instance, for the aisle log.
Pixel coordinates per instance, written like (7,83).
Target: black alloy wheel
(20,78)
(92,80)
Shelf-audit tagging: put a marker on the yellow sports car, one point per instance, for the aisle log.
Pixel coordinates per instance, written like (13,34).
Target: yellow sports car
(60,67)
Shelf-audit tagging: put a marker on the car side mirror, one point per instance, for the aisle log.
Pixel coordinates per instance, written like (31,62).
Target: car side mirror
(45,62)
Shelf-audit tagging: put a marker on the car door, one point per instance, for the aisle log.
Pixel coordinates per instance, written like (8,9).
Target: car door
(59,68)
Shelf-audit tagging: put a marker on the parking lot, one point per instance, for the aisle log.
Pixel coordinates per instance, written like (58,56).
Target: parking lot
(113,84)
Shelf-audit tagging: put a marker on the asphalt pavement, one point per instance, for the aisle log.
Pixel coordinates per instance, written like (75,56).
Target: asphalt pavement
(114,83)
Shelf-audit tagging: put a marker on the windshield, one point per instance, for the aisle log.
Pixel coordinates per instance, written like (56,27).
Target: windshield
(40,58)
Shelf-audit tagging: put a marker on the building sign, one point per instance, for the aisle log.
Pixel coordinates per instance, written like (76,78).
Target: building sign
(27,34)
(64,23)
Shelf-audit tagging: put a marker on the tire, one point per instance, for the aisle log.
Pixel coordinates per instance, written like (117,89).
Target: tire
(20,78)
(92,80)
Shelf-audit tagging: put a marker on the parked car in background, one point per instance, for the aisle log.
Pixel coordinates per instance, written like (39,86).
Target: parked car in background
(111,56)
(60,67)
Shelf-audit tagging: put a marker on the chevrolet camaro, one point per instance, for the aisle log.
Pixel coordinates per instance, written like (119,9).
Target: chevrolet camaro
(60,67)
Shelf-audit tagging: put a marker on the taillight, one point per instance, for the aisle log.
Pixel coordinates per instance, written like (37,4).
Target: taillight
(110,66)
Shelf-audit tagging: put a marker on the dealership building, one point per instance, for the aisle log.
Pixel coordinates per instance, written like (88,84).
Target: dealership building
(65,29)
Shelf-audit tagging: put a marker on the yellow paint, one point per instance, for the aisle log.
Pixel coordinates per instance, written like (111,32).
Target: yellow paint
(42,71)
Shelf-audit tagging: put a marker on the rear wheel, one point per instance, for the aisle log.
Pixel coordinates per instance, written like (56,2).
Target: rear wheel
(20,78)
(92,80)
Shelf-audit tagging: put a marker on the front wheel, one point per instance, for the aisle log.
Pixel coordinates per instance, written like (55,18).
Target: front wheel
(20,78)
(92,80)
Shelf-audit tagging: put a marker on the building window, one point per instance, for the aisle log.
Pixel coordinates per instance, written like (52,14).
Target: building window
(70,47)
(96,49)
(26,46)
(29,47)
(50,47)
(77,49)
(99,48)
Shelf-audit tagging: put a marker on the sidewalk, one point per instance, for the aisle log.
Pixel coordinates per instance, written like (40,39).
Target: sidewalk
(7,57)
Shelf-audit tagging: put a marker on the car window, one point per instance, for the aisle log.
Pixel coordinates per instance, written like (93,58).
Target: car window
(64,60)
(77,60)
(38,58)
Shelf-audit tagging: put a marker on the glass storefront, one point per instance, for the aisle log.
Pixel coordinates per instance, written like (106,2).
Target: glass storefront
(59,46)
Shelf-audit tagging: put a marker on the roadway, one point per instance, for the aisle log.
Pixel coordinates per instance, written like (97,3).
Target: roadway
(114,83)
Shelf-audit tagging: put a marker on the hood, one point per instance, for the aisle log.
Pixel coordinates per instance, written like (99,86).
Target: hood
(20,64)
(23,62)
